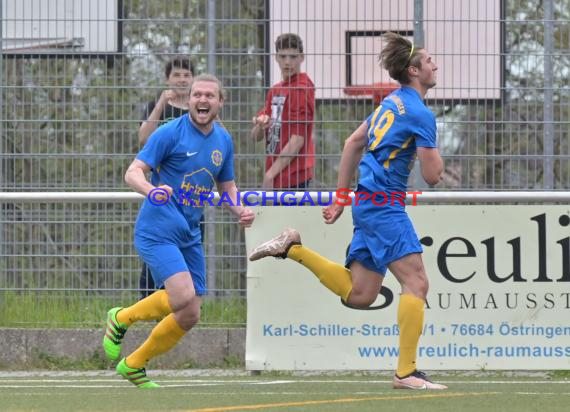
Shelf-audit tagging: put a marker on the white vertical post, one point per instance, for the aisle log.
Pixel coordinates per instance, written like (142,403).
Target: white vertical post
(548,95)
(210,212)
(417,179)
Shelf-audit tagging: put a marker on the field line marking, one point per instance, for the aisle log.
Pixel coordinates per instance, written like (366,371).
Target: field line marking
(331,401)
(190,380)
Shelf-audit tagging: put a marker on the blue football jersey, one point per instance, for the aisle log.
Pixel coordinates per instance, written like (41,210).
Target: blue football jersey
(190,163)
(401,123)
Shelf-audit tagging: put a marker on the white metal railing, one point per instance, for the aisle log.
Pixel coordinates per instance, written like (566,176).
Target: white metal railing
(259,195)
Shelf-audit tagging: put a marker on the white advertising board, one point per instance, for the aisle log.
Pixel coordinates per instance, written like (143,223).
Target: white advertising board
(499,293)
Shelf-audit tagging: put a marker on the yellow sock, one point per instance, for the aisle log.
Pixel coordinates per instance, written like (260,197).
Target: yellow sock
(410,321)
(163,337)
(334,276)
(154,306)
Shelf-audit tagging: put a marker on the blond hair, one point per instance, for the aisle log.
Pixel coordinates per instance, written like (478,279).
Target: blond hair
(206,77)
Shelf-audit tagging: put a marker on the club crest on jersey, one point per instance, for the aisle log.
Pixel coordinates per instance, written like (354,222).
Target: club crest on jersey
(217,157)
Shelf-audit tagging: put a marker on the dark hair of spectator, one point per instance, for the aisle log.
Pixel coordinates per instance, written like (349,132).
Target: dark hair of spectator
(289,41)
(178,63)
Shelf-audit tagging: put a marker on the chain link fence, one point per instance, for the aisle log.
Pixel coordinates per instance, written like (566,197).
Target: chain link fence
(70,116)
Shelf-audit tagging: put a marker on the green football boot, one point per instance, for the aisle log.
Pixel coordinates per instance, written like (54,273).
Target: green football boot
(135,376)
(113,335)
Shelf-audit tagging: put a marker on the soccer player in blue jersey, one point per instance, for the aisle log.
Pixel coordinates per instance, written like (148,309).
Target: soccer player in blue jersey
(400,129)
(191,154)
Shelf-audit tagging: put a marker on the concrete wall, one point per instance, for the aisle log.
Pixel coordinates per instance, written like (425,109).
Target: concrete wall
(199,348)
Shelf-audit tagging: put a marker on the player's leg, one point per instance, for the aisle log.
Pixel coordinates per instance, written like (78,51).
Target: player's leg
(185,314)
(153,307)
(168,266)
(357,286)
(184,290)
(366,284)
(410,272)
(367,275)
(287,244)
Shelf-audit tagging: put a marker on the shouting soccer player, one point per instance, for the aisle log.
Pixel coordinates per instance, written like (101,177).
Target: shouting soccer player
(190,154)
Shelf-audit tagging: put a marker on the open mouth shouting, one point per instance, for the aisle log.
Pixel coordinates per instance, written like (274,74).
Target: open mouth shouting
(205,102)
(203,112)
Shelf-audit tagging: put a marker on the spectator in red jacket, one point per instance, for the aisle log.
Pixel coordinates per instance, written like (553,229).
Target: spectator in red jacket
(286,122)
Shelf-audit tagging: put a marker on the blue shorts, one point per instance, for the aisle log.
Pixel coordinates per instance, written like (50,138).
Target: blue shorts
(166,258)
(381,236)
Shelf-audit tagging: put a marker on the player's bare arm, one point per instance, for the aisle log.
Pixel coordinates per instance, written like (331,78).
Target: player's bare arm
(431,164)
(244,215)
(351,155)
(135,177)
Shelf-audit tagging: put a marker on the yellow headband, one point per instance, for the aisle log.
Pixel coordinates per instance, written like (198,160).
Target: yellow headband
(411,52)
